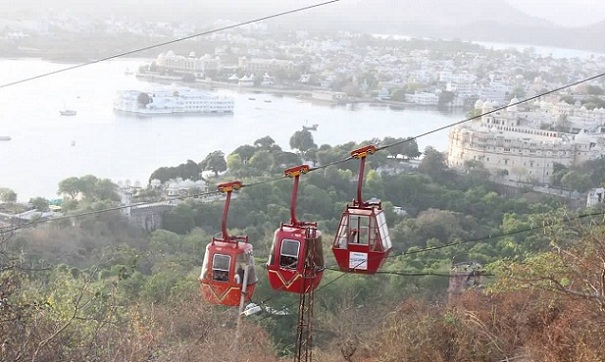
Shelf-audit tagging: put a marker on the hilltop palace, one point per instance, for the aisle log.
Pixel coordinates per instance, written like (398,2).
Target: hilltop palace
(524,144)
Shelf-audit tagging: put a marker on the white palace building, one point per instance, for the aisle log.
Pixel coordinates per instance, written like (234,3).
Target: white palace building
(523,145)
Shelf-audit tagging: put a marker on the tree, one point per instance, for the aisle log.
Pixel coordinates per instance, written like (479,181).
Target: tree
(576,181)
(180,220)
(285,159)
(162,174)
(235,164)
(245,152)
(104,189)
(87,184)
(266,143)
(593,102)
(262,161)
(434,164)
(407,147)
(189,171)
(518,92)
(559,170)
(8,195)
(398,95)
(215,162)
(39,203)
(70,186)
(593,89)
(302,141)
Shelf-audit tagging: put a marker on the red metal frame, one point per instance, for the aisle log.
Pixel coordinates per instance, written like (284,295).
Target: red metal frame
(368,256)
(309,266)
(227,292)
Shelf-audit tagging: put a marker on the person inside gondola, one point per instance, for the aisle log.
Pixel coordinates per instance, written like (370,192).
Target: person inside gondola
(353,237)
(239,275)
(221,275)
(375,242)
(289,262)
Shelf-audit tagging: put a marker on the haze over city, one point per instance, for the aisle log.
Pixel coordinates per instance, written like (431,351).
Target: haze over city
(475,231)
(536,22)
(565,13)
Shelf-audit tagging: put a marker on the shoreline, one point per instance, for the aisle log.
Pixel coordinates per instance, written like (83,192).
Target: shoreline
(303,94)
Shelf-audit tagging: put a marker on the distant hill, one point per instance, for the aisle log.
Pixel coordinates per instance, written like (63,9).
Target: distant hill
(481,20)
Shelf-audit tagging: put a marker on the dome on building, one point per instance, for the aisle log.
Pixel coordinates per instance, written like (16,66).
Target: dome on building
(478,104)
(512,105)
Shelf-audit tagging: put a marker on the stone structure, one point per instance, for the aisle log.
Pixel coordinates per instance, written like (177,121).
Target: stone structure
(523,145)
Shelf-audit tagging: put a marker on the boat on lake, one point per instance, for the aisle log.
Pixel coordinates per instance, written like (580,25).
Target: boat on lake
(182,101)
(310,128)
(5,138)
(68,112)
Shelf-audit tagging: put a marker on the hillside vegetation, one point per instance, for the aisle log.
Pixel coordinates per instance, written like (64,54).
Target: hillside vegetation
(98,288)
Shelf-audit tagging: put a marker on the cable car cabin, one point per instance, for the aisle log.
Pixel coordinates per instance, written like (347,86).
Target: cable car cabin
(362,241)
(224,272)
(296,261)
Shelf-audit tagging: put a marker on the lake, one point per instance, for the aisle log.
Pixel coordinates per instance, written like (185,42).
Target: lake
(47,147)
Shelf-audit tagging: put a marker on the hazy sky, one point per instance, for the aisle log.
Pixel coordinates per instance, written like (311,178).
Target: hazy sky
(564,12)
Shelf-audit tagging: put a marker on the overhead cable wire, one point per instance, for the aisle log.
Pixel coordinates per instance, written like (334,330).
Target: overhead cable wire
(500,235)
(207,32)
(417,251)
(399,142)
(312,169)
(96,212)
(404,273)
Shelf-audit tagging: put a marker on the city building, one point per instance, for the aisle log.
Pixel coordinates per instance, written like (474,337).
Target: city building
(255,65)
(520,146)
(422,98)
(188,64)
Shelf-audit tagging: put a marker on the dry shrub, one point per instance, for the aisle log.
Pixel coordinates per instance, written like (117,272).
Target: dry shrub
(186,330)
(195,331)
(525,325)
(566,329)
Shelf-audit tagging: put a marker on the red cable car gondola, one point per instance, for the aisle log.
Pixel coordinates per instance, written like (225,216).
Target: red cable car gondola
(228,276)
(296,260)
(362,241)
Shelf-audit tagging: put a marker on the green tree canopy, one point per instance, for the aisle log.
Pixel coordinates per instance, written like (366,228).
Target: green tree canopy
(245,152)
(40,203)
(302,141)
(7,195)
(267,143)
(70,186)
(407,147)
(215,162)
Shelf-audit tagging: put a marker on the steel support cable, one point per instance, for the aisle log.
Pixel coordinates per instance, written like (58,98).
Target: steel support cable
(403,141)
(569,85)
(405,274)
